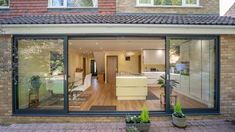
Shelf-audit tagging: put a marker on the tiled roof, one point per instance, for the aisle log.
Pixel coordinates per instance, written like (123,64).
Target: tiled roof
(122,19)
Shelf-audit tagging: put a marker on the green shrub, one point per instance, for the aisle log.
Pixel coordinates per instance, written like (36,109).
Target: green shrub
(132,119)
(144,116)
(178,110)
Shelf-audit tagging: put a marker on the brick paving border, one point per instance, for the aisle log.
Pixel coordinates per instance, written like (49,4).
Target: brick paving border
(161,126)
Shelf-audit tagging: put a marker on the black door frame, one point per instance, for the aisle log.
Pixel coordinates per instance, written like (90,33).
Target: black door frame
(65,112)
(16,110)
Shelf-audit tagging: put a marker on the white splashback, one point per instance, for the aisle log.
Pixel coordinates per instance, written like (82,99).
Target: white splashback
(154,56)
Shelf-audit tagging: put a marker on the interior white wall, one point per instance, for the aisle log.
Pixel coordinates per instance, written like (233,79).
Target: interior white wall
(74,62)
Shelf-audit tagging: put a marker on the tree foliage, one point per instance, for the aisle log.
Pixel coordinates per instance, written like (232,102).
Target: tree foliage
(167,2)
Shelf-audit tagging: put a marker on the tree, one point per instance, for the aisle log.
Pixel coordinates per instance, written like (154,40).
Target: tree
(167,2)
(176,2)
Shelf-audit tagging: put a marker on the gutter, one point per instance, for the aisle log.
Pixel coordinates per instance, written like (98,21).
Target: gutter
(40,29)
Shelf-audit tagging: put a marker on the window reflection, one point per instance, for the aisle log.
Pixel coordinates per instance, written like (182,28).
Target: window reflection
(57,3)
(192,65)
(40,74)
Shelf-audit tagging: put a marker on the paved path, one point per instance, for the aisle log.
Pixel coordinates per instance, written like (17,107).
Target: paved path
(161,126)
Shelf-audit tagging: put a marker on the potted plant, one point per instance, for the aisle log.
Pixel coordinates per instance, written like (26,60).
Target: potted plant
(132,129)
(178,118)
(172,83)
(141,122)
(162,82)
(35,82)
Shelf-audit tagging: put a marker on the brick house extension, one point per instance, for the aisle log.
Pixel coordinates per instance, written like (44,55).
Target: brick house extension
(30,7)
(98,60)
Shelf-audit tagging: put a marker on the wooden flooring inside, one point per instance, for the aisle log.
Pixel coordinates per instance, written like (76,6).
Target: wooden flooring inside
(101,94)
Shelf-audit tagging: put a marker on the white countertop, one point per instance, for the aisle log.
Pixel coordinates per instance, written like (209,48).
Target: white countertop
(153,72)
(174,74)
(130,76)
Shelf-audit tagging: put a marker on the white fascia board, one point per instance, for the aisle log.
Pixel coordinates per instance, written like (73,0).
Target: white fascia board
(116,29)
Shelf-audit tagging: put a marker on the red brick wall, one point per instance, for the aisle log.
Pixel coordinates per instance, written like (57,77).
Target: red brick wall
(23,7)
(107,6)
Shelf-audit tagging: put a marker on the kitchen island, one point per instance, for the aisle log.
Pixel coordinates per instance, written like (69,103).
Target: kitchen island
(131,87)
(153,77)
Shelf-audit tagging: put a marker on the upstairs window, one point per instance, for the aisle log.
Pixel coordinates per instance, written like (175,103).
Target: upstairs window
(191,2)
(167,2)
(4,3)
(72,3)
(145,2)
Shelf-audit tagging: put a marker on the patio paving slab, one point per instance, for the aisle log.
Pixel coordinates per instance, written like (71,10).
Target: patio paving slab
(161,126)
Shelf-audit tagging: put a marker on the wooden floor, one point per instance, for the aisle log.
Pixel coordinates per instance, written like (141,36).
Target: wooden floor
(102,94)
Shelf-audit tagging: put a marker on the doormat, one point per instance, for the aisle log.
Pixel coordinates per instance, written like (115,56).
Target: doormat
(151,96)
(103,108)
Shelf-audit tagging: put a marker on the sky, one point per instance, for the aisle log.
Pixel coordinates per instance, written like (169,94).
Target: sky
(225,5)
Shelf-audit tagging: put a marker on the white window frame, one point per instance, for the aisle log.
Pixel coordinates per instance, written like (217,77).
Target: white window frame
(139,4)
(95,3)
(183,4)
(5,7)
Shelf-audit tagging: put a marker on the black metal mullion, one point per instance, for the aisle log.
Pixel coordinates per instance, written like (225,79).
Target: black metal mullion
(167,76)
(14,74)
(66,103)
(217,75)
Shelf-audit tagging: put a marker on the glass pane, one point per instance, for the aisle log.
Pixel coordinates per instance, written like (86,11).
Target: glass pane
(57,3)
(127,75)
(81,3)
(191,2)
(145,1)
(167,2)
(192,66)
(4,2)
(40,74)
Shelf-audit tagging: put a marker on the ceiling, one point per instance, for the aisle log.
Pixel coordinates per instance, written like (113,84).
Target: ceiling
(116,45)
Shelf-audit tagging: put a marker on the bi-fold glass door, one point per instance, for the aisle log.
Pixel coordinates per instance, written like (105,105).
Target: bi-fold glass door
(194,65)
(45,69)
(39,65)
(130,73)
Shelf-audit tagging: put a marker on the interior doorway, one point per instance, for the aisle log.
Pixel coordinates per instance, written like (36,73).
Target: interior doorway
(84,67)
(93,68)
(112,68)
